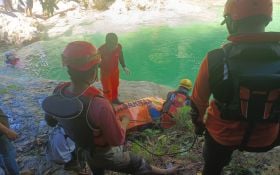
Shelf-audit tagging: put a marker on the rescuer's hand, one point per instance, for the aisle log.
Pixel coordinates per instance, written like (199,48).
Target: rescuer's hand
(199,128)
(126,70)
(125,121)
(11,134)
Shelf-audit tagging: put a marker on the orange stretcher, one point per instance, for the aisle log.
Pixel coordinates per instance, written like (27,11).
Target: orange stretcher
(141,112)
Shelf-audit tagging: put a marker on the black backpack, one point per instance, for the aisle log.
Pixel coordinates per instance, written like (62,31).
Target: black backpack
(245,81)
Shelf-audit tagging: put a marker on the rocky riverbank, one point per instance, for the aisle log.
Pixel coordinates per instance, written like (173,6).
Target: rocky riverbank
(21,100)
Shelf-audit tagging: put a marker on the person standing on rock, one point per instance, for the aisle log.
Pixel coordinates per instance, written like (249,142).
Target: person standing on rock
(244,79)
(111,55)
(51,4)
(7,150)
(8,5)
(28,7)
(91,121)
(44,6)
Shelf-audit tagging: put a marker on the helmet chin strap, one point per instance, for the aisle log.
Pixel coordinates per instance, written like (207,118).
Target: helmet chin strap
(89,83)
(231,27)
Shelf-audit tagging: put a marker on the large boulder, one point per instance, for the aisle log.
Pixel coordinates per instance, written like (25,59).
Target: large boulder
(16,29)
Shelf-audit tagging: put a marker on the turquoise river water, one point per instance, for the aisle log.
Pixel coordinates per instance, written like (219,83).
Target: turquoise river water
(163,55)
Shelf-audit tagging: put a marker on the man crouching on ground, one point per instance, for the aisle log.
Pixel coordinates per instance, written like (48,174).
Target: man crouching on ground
(96,129)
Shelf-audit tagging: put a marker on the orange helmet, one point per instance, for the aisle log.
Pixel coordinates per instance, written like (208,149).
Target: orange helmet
(240,9)
(80,55)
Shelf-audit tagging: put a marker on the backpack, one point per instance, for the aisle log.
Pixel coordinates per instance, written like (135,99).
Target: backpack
(245,81)
(71,114)
(59,146)
(175,100)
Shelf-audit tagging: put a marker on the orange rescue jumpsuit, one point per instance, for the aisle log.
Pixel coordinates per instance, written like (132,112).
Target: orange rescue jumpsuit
(109,70)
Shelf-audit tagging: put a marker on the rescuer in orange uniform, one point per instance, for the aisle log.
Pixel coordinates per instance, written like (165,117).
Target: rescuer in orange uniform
(174,101)
(243,78)
(111,55)
(90,120)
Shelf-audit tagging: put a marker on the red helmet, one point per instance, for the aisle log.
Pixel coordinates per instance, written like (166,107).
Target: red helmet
(80,55)
(240,9)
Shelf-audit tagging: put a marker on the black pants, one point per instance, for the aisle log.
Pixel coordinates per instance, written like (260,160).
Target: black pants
(215,155)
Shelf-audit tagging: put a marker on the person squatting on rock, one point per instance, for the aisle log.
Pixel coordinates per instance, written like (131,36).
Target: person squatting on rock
(28,7)
(95,127)
(243,77)
(175,100)
(7,150)
(111,55)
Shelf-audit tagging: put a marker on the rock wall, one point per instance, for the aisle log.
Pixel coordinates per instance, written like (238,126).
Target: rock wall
(16,29)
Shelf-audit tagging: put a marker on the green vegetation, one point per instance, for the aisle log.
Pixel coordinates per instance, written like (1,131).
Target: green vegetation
(7,89)
(3,91)
(183,120)
(172,144)
(158,146)
(13,88)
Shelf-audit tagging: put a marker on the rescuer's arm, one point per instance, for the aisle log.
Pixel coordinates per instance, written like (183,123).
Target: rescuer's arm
(110,125)
(122,62)
(200,98)
(5,128)
(8,132)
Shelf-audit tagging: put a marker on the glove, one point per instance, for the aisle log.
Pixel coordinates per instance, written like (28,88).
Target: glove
(126,70)
(199,128)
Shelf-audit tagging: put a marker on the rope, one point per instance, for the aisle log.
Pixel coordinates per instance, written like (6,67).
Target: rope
(166,154)
(146,121)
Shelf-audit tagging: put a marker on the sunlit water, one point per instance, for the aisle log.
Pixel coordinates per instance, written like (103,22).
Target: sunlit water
(163,55)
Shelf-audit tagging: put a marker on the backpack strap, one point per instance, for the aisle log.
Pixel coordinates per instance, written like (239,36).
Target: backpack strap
(93,128)
(215,68)
(167,104)
(246,137)
(218,68)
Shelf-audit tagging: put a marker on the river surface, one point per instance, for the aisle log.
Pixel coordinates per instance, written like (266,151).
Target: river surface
(160,54)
